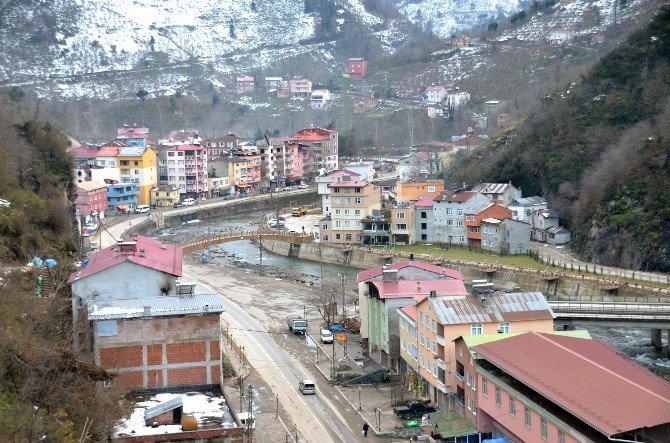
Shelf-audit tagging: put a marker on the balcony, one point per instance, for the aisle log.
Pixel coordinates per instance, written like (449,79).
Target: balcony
(459,376)
(441,341)
(459,400)
(441,363)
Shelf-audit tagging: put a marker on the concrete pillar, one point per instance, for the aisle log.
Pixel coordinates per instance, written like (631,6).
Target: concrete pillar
(656,338)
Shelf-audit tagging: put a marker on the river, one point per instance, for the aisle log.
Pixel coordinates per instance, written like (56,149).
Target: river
(634,343)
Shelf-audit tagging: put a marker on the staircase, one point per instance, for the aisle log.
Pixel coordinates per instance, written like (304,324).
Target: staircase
(44,284)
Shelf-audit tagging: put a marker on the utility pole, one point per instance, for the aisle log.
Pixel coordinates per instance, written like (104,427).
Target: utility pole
(250,417)
(344,309)
(260,250)
(332,367)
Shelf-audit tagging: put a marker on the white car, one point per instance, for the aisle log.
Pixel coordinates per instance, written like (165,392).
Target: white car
(188,202)
(302,186)
(326,336)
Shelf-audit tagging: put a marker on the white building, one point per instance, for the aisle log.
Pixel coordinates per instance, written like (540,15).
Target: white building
(323,186)
(455,99)
(365,170)
(187,169)
(435,93)
(320,99)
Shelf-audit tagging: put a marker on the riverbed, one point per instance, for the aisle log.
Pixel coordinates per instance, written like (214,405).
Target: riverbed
(245,254)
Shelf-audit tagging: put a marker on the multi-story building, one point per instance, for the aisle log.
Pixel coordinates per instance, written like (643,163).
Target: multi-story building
(456,98)
(245,169)
(505,236)
(187,169)
(357,67)
(523,208)
(423,219)
(376,229)
(273,83)
(300,87)
(402,225)
(323,188)
(322,146)
(547,387)
(221,146)
(383,290)
(474,215)
(409,339)
(351,202)
(435,93)
(320,99)
(91,200)
(443,319)
(183,137)
(245,84)
(122,197)
(448,210)
(501,193)
(132,136)
(412,190)
(138,164)
(468,379)
(164,196)
(131,314)
(281,163)
(365,169)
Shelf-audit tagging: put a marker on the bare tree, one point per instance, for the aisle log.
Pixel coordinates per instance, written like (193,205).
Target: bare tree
(324,301)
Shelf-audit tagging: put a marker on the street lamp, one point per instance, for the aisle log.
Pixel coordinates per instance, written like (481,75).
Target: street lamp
(360,408)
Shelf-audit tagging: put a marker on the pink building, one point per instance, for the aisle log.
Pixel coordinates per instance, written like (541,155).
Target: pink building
(538,387)
(187,169)
(245,84)
(91,200)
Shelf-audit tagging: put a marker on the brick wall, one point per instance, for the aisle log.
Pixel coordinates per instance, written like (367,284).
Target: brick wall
(162,352)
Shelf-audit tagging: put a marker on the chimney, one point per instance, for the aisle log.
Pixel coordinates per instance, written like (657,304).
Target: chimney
(433,293)
(147,310)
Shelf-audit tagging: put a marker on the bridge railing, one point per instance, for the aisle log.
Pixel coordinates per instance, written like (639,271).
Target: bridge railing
(642,308)
(203,242)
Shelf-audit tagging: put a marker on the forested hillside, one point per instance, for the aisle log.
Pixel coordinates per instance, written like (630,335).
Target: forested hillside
(598,150)
(47,393)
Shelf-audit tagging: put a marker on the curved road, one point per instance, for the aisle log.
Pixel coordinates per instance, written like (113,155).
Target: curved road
(315,417)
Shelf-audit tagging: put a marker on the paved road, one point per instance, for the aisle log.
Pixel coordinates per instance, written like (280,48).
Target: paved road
(315,417)
(563,257)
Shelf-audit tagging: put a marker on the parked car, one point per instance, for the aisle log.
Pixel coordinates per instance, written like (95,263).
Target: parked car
(142,208)
(307,387)
(336,328)
(302,186)
(413,410)
(178,205)
(188,202)
(326,336)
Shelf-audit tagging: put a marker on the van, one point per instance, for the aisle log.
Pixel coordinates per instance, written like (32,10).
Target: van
(188,202)
(243,417)
(94,245)
(142,208)
(307,387)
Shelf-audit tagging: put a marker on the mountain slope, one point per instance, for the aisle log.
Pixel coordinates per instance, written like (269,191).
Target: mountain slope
(599,151)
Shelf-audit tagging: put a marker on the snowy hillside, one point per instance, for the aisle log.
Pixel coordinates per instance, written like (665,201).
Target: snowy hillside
(446,17)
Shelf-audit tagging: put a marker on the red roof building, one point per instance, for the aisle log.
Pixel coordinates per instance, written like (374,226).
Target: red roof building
(544,387)
(425,270)
(357,68)
(473,220)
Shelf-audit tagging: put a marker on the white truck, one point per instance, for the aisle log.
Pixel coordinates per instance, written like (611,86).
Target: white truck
(297,324)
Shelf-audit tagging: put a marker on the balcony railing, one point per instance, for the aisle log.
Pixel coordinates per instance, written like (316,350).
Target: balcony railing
(459,400)
(459,376)
(441,341)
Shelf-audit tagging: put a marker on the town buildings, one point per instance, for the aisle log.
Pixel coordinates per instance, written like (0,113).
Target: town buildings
(273,83)
(443,319)
(300,87)
(413,190)
(164,196)
(449,208)
(548,387)
(320,99)
(91,202)
(523,208)
(323,188)
(501,193)
(357,68)
(423,219)
(122,197)
(383,290)
(138,165)
(474,216)
(187,170)
(413,166)
(435,93)
(505,236)
(135,318)
(282,163)
(321,146)
(350,202)
(245,84)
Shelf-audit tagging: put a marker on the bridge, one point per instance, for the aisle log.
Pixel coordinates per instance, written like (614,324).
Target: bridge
(269,234)
(653,316)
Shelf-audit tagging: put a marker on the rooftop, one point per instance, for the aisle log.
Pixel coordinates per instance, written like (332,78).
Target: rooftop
(136,249)
(475,340)
(84,153)
(528,201)
(412,288)
(437,270)
(348,184)
(426,201)
(91,186)
(624,397)
(454,196)
(165,306)
(492,188)
(498,307)
(132,151)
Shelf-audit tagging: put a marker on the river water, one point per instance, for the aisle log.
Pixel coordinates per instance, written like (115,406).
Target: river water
(634,343)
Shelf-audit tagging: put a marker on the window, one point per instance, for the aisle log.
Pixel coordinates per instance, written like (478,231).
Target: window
(450,222)
(460,352)
(358,224)
(338,200)
(347,212)
(498,397)
(357,212)
(526,417)
(459,222)
(461,239)
(469,402)
(347,223)
(434,348)
(432,324)
(347,200)
(435,371)
(485,387)
(400,215)
(357,200)
(561,437)
(337,236)
(431,188)
(450,211)
(347,237)
(337,212)
(468,379)
(512,407)
(401,226)
(422,340)
(420,317)
(543,428)
(428,365)
(504,327)
(324,226)
(424,237)
(476,329)
(338,224)
(459,212)
(424,225)
(423,214)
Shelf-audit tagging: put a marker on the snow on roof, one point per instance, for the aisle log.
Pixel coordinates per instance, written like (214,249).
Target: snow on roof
(208,408)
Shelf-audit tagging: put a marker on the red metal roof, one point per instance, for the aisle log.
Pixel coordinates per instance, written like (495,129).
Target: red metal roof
(410,311)
(588,378)
(109,151)
(159,256)
(412,288)
(84,152)
(426,201)
(439,270)
(187,148)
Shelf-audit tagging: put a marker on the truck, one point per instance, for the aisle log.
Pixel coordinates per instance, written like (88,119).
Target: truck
(297,324)
(298,211)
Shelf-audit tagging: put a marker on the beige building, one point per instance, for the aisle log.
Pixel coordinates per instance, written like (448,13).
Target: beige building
(402,225)
(350,202)
(164,196)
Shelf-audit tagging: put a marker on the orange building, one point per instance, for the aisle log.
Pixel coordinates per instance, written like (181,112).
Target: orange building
(474,217)
(411,191)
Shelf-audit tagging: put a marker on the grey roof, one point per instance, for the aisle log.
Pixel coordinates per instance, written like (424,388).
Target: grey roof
(491,188)
(156,306)
(132,151)
(495,308)
(168,405)
(528,201)
(557,230)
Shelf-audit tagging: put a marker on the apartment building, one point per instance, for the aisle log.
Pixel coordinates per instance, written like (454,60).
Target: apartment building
(281,163)
(164,196)
(91,200)
(300,87)
(383,290)
(443,319)
(449,208)
(322,147)
(245,84)
(139,165)
(473,217)
(505,236)
(402,225)
(351,202)
(423,219)
(357,67)
(187,170)
(412,190)
(409,339)
(221,146)
(245,169)
(320,99)
(323,186)
(132,136)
